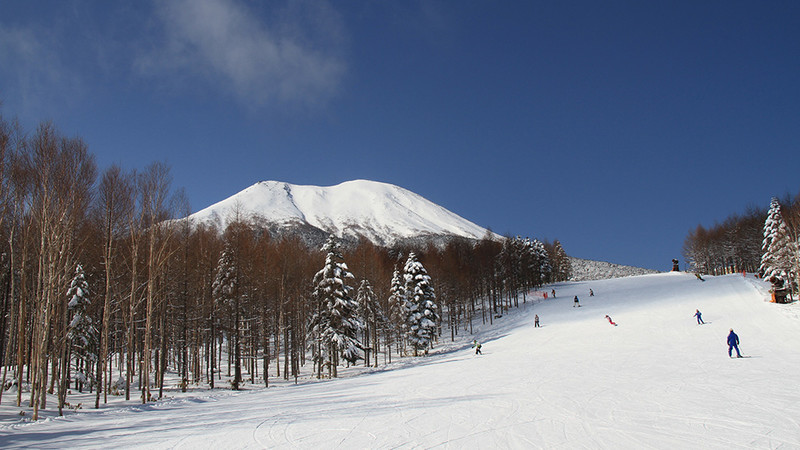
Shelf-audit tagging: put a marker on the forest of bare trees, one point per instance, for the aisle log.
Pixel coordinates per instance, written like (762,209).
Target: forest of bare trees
(157,294)
(736,244)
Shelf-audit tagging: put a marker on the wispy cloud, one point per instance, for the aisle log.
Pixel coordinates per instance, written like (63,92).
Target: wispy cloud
(34,76)
(289,57)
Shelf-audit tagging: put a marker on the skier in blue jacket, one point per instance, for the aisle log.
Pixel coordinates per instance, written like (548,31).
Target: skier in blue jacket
(699,315)
(733,343)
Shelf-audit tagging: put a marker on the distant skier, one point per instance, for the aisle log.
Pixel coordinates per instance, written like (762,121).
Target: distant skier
(477,346)
(698,276)
(536,321)
(554,293)
(576,302)
(610,321)
(591,293)
(733,343)
(699,316)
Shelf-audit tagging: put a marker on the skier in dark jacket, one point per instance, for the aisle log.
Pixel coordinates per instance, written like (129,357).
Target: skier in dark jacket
(699,315)
(733,343)
(536,321)
(576,302)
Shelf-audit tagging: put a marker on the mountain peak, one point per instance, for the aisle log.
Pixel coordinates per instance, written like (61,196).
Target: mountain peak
(381,212)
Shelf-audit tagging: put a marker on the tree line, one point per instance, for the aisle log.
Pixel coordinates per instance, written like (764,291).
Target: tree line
(764,241)
(105,285)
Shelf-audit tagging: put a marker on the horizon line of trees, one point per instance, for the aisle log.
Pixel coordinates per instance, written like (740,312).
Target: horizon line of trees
(764,241)
(103,289)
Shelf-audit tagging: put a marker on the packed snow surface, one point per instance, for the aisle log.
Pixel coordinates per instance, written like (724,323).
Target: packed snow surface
(381,212)
(657,381)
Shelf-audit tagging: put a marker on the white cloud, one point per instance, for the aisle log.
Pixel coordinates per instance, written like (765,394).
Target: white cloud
(294,58)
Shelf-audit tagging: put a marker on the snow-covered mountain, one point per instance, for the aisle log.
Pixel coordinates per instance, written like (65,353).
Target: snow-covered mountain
(383,213)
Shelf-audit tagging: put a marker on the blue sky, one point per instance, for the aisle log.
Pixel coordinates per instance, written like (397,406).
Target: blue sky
(614,127)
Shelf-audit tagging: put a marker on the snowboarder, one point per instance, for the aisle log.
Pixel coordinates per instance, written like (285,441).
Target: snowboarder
(591,293)
(699,316)
(610,321)
(536,321)
(576,302)
(554,293)
(477,346)
(733,343)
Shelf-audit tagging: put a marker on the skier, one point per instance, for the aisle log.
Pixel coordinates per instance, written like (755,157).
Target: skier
(698,276)
(554,293)
(477,346)
(733,343)
(699,315)
(591,293)
(610,321)
(576,302)
(536,321)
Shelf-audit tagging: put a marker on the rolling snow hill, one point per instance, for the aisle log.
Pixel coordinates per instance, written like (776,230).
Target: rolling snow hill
(658,380)
(383,213)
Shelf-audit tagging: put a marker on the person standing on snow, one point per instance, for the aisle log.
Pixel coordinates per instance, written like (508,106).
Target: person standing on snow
(699,315)
(733,343)
(536,321)
(554,293)
(576,302)
(591,293)
(477,346)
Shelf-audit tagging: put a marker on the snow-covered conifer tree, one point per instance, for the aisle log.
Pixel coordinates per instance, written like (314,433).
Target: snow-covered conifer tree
(225,291)
(779,249)
(370,313)
(397,304)
(334,325)
(545,269)
(422,316)
(81,331)
(562,268)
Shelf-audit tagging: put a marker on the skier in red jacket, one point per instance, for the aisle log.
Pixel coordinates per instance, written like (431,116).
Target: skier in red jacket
(610,321)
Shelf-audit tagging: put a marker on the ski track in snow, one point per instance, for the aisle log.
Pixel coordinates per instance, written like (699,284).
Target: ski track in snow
(657,381)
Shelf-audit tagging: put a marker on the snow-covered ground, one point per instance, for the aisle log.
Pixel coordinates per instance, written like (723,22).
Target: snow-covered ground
(658,380)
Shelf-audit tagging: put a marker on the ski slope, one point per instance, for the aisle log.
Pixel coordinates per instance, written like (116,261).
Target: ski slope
(656,381)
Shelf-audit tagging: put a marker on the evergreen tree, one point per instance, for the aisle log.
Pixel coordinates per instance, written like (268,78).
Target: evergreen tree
(225,291)
(334,325)
(543,267)
(421,310)
(397,302)
(779,249)
(562,268)
(82,334)
(370,314)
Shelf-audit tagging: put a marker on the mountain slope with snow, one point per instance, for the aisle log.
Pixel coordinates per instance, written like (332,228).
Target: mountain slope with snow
(380,212)
(586,269)
(658,380)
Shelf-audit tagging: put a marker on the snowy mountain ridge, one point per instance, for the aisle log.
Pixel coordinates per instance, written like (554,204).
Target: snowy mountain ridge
(380,212)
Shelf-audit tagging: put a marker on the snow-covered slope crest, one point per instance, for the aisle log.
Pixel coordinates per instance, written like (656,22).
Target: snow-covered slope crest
(381,212)
(586,270)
